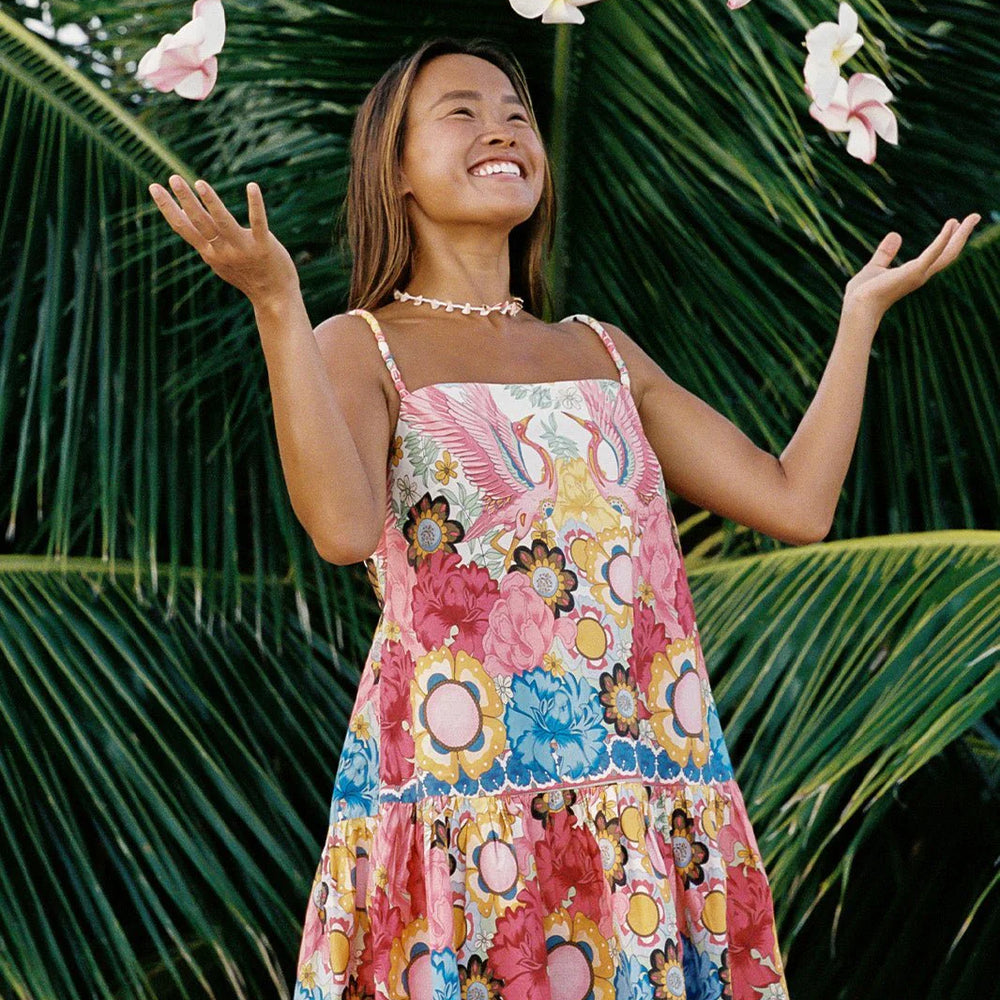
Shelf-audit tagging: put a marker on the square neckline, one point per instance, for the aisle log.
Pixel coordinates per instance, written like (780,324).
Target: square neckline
(404,391)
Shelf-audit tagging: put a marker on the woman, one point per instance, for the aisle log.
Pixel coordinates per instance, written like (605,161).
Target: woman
(534,797)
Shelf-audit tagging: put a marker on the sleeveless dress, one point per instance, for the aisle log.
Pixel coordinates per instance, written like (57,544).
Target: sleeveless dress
(534,799)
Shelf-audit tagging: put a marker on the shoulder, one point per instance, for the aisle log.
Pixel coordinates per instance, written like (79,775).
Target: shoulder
(644,372)
(350,350)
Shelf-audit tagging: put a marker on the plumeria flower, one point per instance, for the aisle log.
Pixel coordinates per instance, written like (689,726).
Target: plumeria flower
(859,107)
(552,11)
(185,62)
(830,45)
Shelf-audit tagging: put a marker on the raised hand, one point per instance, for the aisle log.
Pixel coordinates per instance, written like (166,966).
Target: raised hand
(253,260)
(877,285)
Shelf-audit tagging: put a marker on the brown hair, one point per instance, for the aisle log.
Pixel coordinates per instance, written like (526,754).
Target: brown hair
(378,228)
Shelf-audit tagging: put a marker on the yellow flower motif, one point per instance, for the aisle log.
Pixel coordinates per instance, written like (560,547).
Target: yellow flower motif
(391,631)
(580,934)
(381,877)
(307,977)
(554,665)
(545,535)
(360,727)
(605,562)
(447,468)
(677,704)
(645,592)
(579,498)
(396,452)
(457,715)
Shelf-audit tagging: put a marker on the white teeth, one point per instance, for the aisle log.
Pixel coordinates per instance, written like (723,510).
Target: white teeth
(497,167)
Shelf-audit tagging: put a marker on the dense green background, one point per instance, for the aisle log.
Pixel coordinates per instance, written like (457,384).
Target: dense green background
(177,663)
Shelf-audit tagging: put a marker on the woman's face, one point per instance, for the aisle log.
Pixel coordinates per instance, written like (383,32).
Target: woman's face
(448,134)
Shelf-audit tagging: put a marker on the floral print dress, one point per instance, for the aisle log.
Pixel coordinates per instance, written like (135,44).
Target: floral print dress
(534,799)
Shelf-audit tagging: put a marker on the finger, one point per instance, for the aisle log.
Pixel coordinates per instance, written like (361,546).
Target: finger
(224,220)
(936,247)
(956,243)
(887,249)
(177,218)
(255,205)
(193,208)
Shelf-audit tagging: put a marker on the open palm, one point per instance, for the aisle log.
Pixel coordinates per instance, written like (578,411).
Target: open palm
(877,285)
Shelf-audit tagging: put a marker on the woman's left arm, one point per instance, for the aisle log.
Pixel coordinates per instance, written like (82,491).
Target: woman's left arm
(708,460)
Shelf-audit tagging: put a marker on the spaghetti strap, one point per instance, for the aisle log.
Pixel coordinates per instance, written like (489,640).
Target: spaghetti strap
(608,343)
(383,346)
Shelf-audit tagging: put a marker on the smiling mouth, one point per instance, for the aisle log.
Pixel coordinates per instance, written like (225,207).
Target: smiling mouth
(519,175)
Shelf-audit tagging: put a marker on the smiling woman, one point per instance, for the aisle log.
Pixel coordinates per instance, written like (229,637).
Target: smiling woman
(534,791)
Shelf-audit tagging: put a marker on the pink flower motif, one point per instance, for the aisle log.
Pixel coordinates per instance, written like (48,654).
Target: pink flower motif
(449,594)
(552,11)
(398,606)
(521,628)
(659,564)
(185,62)
(859,107)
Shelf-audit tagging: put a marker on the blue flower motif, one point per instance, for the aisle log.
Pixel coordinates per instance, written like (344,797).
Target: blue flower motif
(719,765)
(492,779)
(647,760)
(355,788)
(445,984)
(701,977)
(623,754)
(550,718)
(666,766)
(631,980)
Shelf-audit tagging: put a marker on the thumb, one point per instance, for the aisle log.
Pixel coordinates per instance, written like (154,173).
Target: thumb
(887,249)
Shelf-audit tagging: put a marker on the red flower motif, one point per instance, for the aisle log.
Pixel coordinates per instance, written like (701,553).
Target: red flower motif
(518,955)
(394,709)
(569,856)
(750,922)
(648,637)
(448,593)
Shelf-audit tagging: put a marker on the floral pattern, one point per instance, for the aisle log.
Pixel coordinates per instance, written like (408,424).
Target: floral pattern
(534,786)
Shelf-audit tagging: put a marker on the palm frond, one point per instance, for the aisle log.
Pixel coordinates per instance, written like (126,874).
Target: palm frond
(841,670)
(146,761)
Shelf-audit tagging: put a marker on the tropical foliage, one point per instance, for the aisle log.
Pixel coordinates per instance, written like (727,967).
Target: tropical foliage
(177,661)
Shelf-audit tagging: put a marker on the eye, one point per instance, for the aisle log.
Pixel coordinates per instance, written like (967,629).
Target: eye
(458,110)
(519,115)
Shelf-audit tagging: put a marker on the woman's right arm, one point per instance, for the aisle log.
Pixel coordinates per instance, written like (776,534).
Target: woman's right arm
(331,415)
(331,419)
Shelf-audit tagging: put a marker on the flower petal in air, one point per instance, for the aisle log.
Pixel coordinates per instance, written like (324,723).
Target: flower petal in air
(830,45)
(859,108)
(736,4)
(552,11)
(185,62)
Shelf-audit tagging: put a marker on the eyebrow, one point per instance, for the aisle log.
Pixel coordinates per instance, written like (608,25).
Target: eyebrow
(474,95)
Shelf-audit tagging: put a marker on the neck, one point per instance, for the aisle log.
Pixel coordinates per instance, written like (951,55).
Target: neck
(469,264)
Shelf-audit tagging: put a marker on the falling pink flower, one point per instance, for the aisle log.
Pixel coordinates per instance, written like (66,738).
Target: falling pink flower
(185,62)
(859,107)
(552,11)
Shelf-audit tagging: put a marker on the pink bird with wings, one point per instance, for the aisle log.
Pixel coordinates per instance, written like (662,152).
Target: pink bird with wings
(491,447)
(615,421)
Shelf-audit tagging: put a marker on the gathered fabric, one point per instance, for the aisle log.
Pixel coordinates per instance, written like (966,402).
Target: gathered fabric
(534,800)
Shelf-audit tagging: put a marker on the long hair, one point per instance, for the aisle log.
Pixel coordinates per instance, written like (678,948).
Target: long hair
(378,228)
